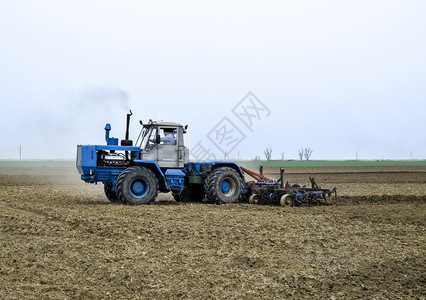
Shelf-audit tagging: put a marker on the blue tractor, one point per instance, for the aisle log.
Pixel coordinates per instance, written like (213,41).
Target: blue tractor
(134,173)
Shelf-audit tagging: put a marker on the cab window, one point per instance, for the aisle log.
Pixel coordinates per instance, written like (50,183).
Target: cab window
(168,136)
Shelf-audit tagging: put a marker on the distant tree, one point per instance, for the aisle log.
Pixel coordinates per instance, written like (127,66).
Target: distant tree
(307,153)
(268,153)
(282,155)
(301,153)
(257,157)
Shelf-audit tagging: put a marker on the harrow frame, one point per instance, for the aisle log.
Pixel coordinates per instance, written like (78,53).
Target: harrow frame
(263,190)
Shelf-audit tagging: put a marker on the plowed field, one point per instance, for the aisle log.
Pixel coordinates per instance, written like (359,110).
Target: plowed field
(61,239)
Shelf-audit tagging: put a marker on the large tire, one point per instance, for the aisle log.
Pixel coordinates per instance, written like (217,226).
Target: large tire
(223,186)
(137,185)
(109,193)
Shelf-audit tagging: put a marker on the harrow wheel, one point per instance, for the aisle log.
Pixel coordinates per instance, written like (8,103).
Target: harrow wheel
(137,185)
(287,200)
(254,199)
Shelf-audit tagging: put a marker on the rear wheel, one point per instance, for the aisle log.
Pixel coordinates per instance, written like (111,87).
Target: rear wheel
(137,185)
(223,186)
(109,193)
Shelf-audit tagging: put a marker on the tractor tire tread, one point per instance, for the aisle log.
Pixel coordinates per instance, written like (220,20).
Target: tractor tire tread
(211,187)
(122,188)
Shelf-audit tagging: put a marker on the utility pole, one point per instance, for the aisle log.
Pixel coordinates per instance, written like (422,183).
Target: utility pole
(20,152)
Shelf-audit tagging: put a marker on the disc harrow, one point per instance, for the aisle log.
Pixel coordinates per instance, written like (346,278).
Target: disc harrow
(263,190)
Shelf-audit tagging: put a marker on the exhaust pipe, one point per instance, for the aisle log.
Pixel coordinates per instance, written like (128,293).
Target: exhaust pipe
(126,141)
(128,124)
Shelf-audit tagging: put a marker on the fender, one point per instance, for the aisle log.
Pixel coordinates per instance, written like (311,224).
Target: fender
(229,164)
(203,167)
(153,166)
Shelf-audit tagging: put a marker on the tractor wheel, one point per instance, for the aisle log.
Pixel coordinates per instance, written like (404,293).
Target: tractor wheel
(109,193)
(137,185)
(286,200)
(223,186)
(190,195)
(254,199)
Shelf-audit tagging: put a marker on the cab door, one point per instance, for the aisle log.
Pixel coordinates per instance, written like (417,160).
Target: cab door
(168,149)
(149,145)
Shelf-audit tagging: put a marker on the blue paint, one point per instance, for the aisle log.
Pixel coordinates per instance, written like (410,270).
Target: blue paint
(225,187)
(175,179)
(139,188)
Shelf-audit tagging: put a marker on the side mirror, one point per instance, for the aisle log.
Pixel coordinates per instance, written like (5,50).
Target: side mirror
(186,127)
(157,139)
(140,122)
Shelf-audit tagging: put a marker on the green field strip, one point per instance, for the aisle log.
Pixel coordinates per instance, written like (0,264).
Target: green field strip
(330,163)
(37,164)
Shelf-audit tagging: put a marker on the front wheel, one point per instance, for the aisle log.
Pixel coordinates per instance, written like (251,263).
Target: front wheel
(137,185)
(223,186)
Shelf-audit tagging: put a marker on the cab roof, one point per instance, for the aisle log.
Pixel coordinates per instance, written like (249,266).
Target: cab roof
(161,123)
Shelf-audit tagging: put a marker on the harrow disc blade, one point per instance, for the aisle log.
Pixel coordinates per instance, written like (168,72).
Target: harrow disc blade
(287,200)
(254,199)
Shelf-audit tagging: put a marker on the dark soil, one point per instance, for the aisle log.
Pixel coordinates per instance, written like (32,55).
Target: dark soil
(61,239)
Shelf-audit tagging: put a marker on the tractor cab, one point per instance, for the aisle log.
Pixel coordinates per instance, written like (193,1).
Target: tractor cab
(163,143)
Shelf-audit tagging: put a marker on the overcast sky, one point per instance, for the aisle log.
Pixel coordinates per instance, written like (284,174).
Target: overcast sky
(345,78)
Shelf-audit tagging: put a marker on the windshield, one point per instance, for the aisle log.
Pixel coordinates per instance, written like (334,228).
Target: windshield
(149,138)
(145,132)
(141,137)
